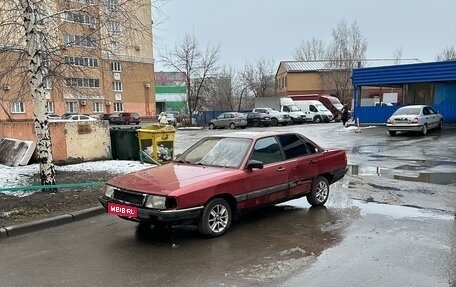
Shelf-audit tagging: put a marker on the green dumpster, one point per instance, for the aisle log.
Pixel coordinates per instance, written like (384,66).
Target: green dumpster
(124,143)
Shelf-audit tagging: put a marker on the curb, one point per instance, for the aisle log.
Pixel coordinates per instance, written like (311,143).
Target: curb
(29,227)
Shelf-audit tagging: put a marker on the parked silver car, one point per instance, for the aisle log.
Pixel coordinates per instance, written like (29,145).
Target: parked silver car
(418,118)
(230,120)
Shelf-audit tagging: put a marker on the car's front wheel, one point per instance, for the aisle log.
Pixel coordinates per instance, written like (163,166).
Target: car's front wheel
(320,192)
(216,218)
(274,122)
(232,126)
(211,126)
(439,127)
(392,133)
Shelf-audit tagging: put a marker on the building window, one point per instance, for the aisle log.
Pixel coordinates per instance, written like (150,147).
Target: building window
(113,27)
(118,107)
(98,107)
(17,107)
(47,83)
(82,82)
(116,66)
(79,41)
(115,46)
(117,86)
(84,1)
(81,17)
(82,61)
(113,5)
(72,107)
(49,107)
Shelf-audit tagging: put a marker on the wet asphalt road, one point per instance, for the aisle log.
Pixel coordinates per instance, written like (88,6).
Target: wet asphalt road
(389,222)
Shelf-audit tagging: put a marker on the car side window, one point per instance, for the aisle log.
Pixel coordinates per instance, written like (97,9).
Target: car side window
(267,151)
(425,111)
(293,146)
(431,111)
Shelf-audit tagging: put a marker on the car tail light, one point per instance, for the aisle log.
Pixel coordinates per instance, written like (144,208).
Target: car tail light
(415,121)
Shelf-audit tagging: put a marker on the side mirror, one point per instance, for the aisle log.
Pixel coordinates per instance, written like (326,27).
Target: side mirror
(251,164)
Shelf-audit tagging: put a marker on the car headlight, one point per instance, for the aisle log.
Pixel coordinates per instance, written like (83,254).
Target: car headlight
(157,202)
(109,191)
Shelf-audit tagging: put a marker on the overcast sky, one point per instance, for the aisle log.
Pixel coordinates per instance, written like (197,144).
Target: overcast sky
(249,29)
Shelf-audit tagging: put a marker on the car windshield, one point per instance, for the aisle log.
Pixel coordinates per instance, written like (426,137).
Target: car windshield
(338,106)
(215,151)
(408,111)
(320,107)
(170,116)
(294,108)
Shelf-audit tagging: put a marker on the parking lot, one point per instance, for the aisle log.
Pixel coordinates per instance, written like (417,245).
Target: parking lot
(389,222)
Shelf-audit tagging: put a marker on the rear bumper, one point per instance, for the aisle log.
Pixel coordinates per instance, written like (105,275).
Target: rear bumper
(404,128)
(155,215)
(338,175)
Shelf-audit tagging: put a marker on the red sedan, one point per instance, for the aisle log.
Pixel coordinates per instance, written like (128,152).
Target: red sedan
(220,177)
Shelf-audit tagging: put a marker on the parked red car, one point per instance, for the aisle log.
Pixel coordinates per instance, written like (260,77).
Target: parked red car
(220,177)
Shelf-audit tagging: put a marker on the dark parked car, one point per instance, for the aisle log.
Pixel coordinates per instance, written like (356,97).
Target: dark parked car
(255,119)
(230,120)
(221,177)
(105,117)
(125,118)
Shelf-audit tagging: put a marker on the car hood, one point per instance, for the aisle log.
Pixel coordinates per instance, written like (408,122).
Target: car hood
(164,179)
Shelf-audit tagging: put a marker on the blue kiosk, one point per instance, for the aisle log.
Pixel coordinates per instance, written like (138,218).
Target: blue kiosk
(379,91)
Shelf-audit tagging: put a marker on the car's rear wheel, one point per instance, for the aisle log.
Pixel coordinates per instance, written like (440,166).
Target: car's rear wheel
(274,122)
(211,126)
(216,218)
(292,121)
(392,133)
(320,192)
(424,130)
(256,124)
(232,126)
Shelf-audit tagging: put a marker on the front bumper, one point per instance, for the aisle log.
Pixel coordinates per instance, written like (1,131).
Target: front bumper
(155,215)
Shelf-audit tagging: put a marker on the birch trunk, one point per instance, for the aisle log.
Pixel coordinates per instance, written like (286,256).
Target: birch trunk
(35,39)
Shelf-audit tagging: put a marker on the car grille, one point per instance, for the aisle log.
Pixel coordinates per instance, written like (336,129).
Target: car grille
(129,197)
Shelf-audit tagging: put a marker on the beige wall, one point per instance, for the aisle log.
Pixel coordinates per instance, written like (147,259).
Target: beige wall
(87,141)
(71,142)
(298,83)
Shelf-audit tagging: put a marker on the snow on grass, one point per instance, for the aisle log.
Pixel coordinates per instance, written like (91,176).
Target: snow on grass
(21,175)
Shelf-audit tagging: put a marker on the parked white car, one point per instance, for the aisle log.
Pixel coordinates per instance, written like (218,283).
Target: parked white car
(78,118)
(418,118)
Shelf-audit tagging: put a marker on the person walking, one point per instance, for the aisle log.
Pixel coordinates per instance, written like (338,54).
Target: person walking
(345,115)
(162,119)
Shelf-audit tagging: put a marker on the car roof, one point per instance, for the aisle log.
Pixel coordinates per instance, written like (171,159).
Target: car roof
(252,135)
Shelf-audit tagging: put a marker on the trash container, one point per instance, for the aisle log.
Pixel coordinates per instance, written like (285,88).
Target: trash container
(157,141)
(124,143)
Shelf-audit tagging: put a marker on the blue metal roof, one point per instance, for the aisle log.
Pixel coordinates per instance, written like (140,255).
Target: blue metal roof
(400,74)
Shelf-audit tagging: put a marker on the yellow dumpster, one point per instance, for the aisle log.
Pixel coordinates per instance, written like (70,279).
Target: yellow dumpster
(157,141)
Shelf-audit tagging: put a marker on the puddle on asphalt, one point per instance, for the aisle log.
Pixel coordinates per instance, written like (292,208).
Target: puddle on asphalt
(407,173)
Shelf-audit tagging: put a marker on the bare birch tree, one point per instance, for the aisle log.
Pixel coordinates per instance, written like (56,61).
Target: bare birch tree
(34,49)
(346,51)
(397,56)
(312,50)
(259,77)
(198,65)
(448,53)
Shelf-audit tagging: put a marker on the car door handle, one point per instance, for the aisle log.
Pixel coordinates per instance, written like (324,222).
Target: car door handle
(312,162)
(281,169)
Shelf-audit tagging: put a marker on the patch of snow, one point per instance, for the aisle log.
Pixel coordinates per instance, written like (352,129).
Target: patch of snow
(21,175)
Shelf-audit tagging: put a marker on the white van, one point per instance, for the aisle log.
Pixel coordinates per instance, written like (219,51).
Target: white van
(315,111)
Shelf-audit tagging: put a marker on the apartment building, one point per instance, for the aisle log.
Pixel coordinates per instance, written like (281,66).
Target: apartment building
(101,61)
